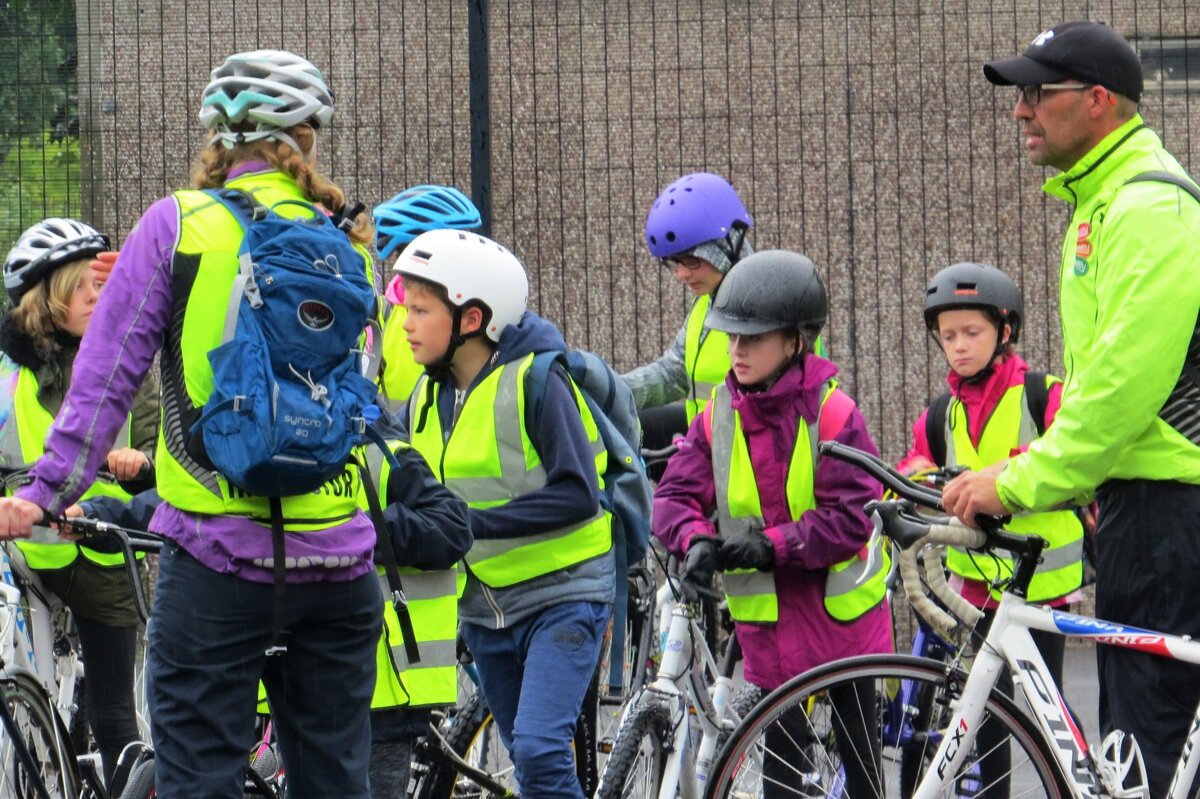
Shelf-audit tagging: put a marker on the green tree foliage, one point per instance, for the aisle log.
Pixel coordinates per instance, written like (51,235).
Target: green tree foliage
(39,124)
(37,73)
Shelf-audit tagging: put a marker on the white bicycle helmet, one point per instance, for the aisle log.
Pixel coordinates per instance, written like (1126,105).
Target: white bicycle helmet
(46,246)
(271,89)
(474,270)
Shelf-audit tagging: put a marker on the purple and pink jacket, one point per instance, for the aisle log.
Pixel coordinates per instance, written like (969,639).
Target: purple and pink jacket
(836,529)
(980,400)
(126,331)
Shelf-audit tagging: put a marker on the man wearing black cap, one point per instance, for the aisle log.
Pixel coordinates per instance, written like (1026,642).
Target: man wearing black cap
(1128,430)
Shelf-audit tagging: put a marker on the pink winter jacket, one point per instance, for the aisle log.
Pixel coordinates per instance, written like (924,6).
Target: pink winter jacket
(836,529)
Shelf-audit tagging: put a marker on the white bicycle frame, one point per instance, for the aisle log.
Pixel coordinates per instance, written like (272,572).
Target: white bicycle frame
(681,683)
(27,633)
(1009,642)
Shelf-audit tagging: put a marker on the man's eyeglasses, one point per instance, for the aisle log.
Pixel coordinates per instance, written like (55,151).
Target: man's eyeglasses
(1032,95)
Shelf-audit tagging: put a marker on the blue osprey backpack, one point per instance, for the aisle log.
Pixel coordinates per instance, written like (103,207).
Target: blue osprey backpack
(290,393)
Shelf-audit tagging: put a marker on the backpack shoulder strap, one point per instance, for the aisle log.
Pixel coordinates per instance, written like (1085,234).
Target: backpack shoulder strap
(1037,397)
(1157,176)
(1190,368)
(242,204)
(935,427)
(834,412)
(535,386)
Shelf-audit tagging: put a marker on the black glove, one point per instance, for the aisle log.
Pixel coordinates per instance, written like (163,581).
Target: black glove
(699,566)
(750,550)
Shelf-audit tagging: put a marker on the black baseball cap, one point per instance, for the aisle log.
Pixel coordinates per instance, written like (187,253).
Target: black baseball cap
(1090,52)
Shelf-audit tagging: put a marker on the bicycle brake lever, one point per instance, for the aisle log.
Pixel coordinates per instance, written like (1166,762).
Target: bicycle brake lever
(872,547)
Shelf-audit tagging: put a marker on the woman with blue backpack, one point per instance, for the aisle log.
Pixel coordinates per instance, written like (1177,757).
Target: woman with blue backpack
(241,573)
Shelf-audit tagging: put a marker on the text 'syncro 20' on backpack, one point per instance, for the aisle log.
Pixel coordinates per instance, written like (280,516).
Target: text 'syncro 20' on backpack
(289,392)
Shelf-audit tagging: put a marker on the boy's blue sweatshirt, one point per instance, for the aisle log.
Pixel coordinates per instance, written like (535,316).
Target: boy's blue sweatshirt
(571,494)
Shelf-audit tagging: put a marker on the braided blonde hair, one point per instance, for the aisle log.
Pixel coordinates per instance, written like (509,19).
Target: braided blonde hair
(215,161)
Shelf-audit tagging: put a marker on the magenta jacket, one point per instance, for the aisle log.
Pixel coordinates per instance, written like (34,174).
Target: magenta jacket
(836,529)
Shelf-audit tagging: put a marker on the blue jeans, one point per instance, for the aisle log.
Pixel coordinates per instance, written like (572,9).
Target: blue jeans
(534,675)
(208,638)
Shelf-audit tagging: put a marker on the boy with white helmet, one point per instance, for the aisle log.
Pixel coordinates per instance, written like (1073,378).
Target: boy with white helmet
(540,575)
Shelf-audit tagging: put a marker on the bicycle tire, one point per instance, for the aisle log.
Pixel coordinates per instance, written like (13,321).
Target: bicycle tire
(140,784)
(813,760)
(44,735)
(635,766)
(473,736)
(743,703)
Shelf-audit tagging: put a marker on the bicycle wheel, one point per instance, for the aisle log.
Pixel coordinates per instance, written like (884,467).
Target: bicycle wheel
(45,738)
(635,767)
(140,784)
(837,731)
(474,737)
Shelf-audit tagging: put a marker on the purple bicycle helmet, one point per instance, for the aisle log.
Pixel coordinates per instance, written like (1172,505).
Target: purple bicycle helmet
(697,208)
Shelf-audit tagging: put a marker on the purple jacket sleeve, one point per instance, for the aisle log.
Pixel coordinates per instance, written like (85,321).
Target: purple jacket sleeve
(125,332)
(837,528)
(686,495)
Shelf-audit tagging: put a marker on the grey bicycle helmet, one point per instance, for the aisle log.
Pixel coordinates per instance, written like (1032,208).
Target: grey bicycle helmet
(771,290)
(257,95)
(46,246)
(972,285)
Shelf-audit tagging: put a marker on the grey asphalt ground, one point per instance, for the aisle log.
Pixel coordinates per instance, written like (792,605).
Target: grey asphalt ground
(1081,689)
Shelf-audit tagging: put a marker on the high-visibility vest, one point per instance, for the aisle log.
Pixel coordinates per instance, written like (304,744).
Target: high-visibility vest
(705,356)
(751,593)
(433,604)
(203,269)
(1011,427)
(488,459)
(22,442)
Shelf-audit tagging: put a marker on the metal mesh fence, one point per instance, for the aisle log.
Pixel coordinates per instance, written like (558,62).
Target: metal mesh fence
(861,133)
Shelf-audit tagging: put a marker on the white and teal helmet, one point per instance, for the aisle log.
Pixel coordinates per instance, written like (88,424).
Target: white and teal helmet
(260,94)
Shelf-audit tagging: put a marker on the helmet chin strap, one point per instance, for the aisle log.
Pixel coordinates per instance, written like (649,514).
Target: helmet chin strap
(439,370)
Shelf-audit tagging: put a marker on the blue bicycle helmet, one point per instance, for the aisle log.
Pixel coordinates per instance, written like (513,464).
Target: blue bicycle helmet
(418,210)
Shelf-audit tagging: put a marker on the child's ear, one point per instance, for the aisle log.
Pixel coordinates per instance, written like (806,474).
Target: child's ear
(1005,334)
(472,320)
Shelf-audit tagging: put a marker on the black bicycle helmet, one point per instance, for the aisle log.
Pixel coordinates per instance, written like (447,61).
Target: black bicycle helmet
(972,285)
(771,290)
(46,246)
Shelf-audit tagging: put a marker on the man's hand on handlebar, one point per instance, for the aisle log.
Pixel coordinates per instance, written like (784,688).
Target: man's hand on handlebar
(974,493)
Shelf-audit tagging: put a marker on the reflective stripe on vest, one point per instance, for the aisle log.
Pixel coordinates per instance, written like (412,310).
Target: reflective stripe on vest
(705,357)
(22,442)
(488,460)
(751,593)
(203,269)
(1011,427)
(433,604)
